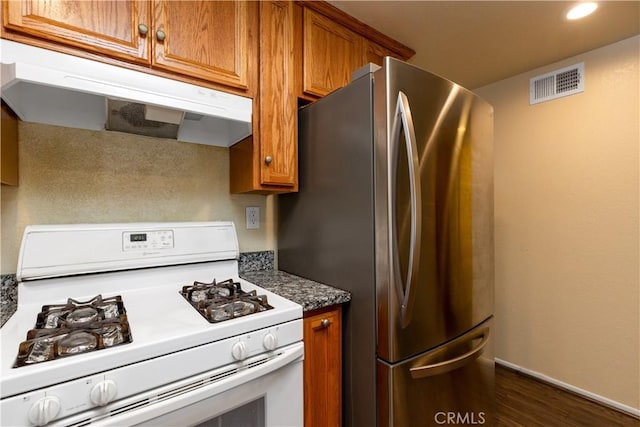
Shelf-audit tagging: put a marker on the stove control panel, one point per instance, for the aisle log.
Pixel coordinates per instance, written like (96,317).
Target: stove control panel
(147,240)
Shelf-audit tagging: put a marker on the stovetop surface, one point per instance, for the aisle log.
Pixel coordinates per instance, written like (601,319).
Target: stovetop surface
(162,321)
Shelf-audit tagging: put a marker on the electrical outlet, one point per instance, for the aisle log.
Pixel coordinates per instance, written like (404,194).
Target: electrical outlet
(253,217)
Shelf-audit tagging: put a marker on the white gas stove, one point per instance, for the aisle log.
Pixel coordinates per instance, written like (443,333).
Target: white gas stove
(185,361)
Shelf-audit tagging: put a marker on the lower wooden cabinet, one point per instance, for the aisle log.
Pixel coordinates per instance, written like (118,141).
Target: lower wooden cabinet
(323,367)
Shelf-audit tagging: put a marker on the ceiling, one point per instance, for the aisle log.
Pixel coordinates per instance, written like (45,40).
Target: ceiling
(479,42)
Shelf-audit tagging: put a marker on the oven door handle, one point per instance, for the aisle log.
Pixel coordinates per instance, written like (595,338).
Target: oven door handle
(155,403)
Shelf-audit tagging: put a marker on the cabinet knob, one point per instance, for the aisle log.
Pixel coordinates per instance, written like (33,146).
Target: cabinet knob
(143,29)
(325,323)
(160,35)
(268,160)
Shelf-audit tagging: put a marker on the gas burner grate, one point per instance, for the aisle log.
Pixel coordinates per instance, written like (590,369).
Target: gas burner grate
(220,301)
(74,328)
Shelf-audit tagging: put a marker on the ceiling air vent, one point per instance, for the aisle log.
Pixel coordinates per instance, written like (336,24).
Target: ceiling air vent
(556,84)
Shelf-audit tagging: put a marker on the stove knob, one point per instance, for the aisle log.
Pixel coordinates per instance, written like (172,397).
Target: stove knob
(103,392)
(270,341)
(44,410)
(239,351)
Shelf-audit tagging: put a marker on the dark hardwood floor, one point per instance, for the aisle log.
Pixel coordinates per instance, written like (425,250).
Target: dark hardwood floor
(523,401)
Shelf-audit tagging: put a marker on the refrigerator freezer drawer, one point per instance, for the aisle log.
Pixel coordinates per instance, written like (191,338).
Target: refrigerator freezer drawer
(451,384)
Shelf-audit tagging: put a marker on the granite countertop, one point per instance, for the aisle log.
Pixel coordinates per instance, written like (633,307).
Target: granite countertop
(8,297)
(309,294)
(255,267)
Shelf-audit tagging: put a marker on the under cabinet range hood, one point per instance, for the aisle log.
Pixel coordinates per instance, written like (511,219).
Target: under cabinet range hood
(48,87)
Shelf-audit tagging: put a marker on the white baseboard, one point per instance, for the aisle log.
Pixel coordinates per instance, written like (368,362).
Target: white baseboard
(600,399)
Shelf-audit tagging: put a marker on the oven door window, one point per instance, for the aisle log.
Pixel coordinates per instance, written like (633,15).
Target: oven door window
(251,414)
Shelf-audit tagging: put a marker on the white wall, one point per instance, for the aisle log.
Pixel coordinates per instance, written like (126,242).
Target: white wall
(567,225)
(73,176)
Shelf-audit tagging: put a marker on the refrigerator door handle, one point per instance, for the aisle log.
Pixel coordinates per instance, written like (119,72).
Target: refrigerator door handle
(403,120)
(439,368)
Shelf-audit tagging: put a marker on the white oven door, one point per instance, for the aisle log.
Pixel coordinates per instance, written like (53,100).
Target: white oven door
(274,399)
(261,392)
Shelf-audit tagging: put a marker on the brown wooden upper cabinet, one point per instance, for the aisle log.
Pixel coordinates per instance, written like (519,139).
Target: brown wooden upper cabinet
(331,53)
(335,44)
(278,106)
(106,27)
(267,161)
(203,39)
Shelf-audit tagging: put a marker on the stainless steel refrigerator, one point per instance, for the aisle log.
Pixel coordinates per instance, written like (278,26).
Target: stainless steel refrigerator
(396,206)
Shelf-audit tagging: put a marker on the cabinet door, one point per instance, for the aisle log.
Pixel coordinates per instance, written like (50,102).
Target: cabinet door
(323,368)
(331,53)
(204,39)
(111,27)
(278,109)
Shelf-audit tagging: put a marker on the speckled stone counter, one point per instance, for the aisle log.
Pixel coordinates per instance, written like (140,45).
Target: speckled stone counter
(309,294)
(8,297)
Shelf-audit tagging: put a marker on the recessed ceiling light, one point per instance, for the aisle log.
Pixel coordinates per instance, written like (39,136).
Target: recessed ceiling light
(581,10)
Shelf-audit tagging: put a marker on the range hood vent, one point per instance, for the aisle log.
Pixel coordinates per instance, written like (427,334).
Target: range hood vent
(556,84)
(131,117)
(48,87)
